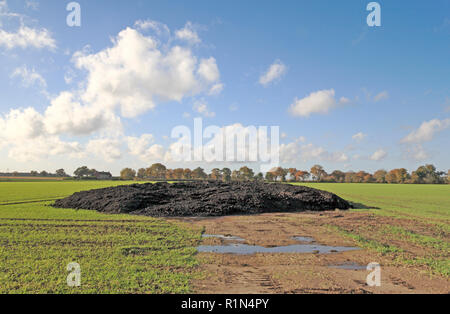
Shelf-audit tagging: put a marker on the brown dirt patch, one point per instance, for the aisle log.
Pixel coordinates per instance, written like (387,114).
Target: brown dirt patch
(305,273)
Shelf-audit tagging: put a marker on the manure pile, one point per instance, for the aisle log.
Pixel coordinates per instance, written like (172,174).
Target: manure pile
(203,199)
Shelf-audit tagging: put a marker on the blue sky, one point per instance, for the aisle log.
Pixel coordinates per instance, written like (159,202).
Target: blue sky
(345,95)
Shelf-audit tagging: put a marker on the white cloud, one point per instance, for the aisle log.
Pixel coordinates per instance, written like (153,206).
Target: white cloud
(359,137)
(216,89)
(157,27)
(275,72)
(379,155)
(29,77)
(109,149)
(26,37)
(43,147)
(208,70)
(140,75)
(19,125)
(137,146)
(381,96)
(320,102)
(65,115)
(143,148)
(426,131)
(295,152)
(202,108)
(188,34)
(32,4)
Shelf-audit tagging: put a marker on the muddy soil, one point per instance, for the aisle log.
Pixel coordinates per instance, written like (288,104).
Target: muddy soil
(203,199)
(300,273)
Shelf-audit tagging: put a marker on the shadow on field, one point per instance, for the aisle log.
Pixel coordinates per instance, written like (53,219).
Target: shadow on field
(362,206)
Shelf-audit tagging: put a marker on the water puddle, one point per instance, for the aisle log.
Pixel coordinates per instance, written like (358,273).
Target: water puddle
(349,266)
(240,248)
(224,237)
(304,239)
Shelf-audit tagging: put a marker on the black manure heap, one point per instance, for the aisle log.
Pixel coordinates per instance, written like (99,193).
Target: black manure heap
(203,199)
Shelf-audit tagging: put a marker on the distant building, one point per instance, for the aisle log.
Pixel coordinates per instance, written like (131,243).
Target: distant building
(100,175)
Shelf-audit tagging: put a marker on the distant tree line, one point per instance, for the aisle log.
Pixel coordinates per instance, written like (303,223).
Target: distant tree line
(158,172)
(60,173)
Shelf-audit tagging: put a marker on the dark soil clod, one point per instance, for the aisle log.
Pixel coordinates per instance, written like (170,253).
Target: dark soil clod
(209,198)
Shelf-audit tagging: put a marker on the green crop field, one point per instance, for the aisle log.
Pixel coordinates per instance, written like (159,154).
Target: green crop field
(417,230)
(431,202)
(135,254)
(116,253)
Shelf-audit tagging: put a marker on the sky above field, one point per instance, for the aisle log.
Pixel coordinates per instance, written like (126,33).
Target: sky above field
(107,94)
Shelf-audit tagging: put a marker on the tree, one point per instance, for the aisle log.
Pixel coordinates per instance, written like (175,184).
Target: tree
(380,176)
(246,174)
(156,171)
(235,175)
(292,174)
(427,174)
(44,173)
(187,174)
(82,172)
(141,174)
(34,173)
(270,177)
(397,176)
(279,174)
(169,174)
(226,175)
(349,177)
(318,172)
(259,177)
(360,176)
(338,176)
(61,173)
(199,174)
(216,174)
(178,173)
(127,174)
(302,175)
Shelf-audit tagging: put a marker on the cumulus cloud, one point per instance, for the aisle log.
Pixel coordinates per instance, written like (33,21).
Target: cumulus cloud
(359,137)
(108,149)
(202,108)
(140,74)
(426,131)
(26,37)
(66,115)
(275,72)
(296,152)
(44,147)
(320,102)
(381,96)
(379,155)
(188,34)
(29,77)
(157,27)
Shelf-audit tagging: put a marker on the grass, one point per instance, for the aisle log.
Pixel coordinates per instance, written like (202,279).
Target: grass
(117,253)
(11,192)
(428,201)
(424,208)
(136,254)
